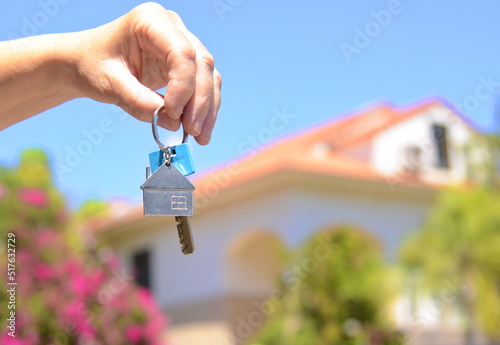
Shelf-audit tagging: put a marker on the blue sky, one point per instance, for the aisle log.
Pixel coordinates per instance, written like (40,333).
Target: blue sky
(276,57)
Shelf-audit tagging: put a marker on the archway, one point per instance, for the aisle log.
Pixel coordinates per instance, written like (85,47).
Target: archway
(254,262)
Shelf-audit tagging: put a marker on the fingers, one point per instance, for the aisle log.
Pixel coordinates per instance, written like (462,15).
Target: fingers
(181,65)
(202,100)
(200,113)
(135,98)
(160,32)
(193,92)
(208,125)
(193,84)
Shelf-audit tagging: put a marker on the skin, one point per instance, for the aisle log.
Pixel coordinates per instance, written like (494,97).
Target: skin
(120,63)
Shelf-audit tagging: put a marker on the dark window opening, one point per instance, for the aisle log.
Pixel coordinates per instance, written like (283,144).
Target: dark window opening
(141,266)
(441,140)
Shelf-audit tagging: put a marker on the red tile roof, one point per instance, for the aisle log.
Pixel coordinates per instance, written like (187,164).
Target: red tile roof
(338,137)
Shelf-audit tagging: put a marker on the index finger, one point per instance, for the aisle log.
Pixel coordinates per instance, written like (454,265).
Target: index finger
(181,81)
(161,35)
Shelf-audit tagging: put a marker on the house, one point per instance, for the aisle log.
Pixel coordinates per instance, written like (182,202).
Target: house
(167,192)
(377,169)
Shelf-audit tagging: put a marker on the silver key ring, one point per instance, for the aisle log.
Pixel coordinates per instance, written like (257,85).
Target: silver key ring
(154,124)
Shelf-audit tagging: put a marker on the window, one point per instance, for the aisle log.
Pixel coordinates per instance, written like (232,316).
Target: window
(441,140)
(141,262)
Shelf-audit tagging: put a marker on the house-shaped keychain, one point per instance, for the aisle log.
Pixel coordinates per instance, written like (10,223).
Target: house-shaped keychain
(167,192)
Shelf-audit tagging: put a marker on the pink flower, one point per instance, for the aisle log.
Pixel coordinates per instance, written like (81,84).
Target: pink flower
(155,326)
(35,197)
(7,339)
(24,257)
(79,285)
(97,278)
(87,330)
(134,333)
(73,267)
(46,237)
(144,296)
(43,272)
(156,320)
(74,312)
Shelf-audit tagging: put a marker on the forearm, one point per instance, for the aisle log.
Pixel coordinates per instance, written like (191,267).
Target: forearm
(35,75)
(122,62)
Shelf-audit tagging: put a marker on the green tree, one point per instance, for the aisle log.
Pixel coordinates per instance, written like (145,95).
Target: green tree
(339,298)
(459,243)
(483,160)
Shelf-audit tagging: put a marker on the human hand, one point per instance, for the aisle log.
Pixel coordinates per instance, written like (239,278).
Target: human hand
(124,61)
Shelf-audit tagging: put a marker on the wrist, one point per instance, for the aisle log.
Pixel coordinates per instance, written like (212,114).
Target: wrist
(81,60)
(62,58)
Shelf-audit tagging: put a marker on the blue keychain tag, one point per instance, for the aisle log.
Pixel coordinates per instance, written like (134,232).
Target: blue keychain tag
(181,159)
(178,155)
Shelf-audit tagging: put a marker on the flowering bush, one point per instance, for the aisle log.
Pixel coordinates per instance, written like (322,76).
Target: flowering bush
(64,295)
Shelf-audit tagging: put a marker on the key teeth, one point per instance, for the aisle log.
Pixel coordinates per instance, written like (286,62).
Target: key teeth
(186,248)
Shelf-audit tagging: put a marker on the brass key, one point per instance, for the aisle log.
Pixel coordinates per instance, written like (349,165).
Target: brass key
(185,236)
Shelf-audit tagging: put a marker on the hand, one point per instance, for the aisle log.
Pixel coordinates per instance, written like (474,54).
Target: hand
(123,62)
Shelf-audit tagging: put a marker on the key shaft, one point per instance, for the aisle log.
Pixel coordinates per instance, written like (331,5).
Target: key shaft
(185,236)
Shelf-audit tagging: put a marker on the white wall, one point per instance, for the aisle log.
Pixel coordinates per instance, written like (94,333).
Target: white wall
(389,148)
(292,213)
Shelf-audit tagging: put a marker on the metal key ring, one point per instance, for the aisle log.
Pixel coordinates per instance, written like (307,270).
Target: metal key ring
(154,124)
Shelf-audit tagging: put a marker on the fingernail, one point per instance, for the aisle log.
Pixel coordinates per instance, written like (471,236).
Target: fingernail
(178,112)
(197,127)
(207,135)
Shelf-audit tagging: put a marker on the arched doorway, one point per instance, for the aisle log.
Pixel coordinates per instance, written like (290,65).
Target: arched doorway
(253,264)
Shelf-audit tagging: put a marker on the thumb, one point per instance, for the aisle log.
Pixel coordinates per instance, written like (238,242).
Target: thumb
(137,99)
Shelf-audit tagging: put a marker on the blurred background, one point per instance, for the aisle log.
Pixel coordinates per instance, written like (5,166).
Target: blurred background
(349,194)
